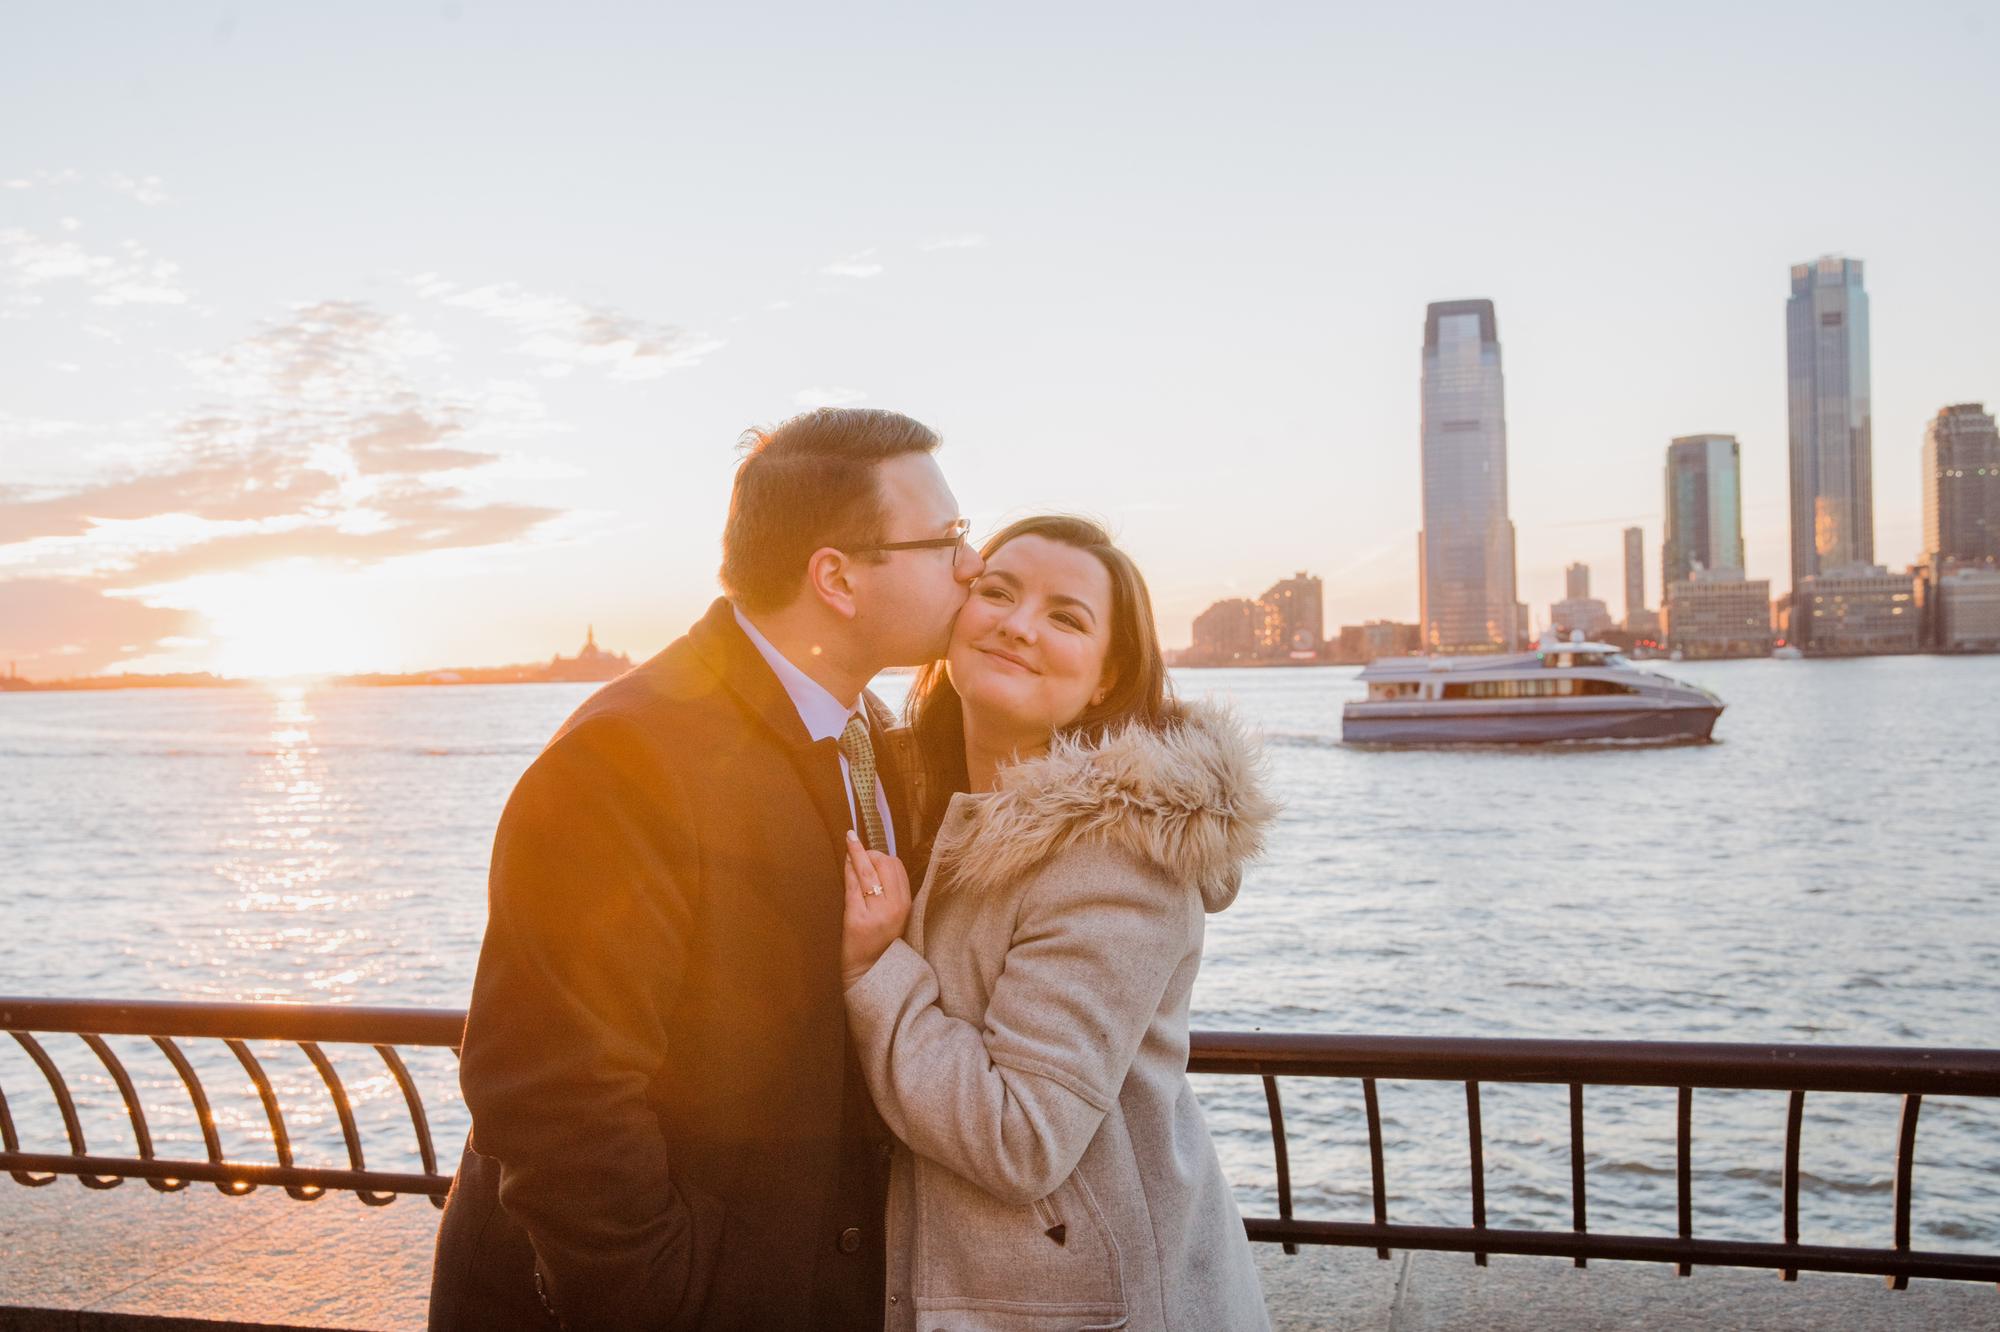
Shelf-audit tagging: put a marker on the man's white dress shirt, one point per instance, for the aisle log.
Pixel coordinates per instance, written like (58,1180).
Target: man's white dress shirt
(825,717)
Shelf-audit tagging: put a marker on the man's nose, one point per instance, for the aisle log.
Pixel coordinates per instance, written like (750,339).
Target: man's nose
(970,565)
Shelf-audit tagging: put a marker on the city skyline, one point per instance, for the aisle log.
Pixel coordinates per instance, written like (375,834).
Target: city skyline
(483,340)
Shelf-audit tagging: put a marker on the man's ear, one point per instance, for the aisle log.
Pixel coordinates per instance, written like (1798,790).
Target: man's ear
(829,579)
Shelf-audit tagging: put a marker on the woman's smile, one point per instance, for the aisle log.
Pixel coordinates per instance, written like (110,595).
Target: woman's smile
(1008,658)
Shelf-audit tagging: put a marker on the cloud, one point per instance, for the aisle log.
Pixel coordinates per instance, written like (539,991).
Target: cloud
(970,240)
(54,626)
(417,521)
(325,436)
(565,334)
(860,265)
(131,276)
(827,397)
(143,189)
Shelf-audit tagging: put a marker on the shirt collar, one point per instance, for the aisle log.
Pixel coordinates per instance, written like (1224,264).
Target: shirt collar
(824,715)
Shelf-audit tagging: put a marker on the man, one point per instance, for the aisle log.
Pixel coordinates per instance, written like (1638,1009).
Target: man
(668,1127)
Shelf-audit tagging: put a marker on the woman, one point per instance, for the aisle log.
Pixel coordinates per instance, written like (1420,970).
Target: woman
(1026,1036)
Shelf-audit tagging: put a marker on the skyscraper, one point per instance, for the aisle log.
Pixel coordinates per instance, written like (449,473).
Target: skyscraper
(1962,486)
(1466,548)
(1635,573)
(1704,507)
(1832,434)
(1576,580)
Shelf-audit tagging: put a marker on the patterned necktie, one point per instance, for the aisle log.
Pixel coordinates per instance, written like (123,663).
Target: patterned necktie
(860,753)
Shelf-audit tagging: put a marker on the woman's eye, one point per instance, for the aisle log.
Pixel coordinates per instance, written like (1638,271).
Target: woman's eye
(1069,621)
(992,593)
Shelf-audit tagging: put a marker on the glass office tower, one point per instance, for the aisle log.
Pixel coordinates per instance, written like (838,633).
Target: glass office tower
(1635,573)
(1962,486)
(1466,548)
(1832,431)
(1704,507)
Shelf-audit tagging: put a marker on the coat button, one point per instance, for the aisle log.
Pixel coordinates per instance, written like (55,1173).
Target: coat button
(850,1240)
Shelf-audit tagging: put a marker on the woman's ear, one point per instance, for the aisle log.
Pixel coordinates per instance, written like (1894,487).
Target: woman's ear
(1104,688)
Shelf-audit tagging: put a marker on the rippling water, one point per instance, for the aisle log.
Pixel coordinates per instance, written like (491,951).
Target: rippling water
(1825,872)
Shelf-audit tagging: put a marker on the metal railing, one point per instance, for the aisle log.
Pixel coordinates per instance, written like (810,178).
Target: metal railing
(234,1025)
(1911,1074)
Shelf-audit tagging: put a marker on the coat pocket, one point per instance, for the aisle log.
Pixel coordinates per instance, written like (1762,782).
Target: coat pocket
(1055,1257)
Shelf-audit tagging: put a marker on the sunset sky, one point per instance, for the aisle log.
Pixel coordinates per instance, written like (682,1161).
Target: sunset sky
(382,336)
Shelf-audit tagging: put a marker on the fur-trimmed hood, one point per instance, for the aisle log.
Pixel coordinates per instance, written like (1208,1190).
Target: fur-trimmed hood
(1189,799)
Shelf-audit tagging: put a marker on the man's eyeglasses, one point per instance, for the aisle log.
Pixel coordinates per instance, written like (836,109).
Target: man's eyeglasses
(960,529)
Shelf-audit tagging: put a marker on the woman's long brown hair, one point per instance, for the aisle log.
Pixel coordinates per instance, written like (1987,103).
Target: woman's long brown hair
(1140,690)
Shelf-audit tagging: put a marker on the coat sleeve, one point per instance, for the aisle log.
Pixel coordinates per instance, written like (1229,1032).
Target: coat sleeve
(587,945)
(1011,1104)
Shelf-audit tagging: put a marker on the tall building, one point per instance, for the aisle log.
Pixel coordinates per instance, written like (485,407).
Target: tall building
(1466,548)
(1576,581)
(1704,507)
(1832,433)
(1962,486)
(1635,573)
(1298,622)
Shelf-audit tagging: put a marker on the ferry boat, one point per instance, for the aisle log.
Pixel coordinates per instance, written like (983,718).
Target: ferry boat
(1562,691)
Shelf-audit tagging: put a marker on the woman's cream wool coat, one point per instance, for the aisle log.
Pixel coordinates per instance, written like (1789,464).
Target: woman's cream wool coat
(1027,1041)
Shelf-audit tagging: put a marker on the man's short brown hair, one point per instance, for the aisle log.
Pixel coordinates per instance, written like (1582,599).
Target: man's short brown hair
(806,483)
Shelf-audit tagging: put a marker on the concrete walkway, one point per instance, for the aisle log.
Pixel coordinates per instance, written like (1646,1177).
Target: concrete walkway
(338,1264)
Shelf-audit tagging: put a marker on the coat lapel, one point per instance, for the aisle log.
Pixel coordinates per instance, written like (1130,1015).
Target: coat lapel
(722,644)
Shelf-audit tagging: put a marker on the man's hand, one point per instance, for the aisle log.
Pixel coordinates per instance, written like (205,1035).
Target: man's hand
(878,906)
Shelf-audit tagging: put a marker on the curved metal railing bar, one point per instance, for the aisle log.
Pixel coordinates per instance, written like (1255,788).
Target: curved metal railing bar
(350,1134)
(10,1142)
(281,1141)
(135,1110)
(420,1123)
(72,1124)
(1910,1074)
(1281,1150)
(205,1117)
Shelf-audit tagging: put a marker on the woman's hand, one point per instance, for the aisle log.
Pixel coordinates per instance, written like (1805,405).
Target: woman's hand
(878,905)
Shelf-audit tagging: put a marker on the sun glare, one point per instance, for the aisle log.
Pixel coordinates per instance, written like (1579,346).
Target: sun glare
(290,621)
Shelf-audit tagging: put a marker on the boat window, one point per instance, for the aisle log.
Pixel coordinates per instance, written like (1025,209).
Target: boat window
(1617,659)
(1561,688)
(1589,658)
(1394,689)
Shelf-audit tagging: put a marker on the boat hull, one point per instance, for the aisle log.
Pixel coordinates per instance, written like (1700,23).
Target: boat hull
(1363,725)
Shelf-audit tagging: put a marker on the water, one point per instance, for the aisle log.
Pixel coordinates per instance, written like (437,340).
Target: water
(1823,873)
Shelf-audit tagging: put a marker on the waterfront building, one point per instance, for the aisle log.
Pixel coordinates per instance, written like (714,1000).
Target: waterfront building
(1635,574)
(1718,613)
(1704,507)
(1962,486)
(1465,552)
(1962,607)
(1297,624)
(1377,638)
(1832,431)
(1232,630)
(591,662)
(1856,611)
